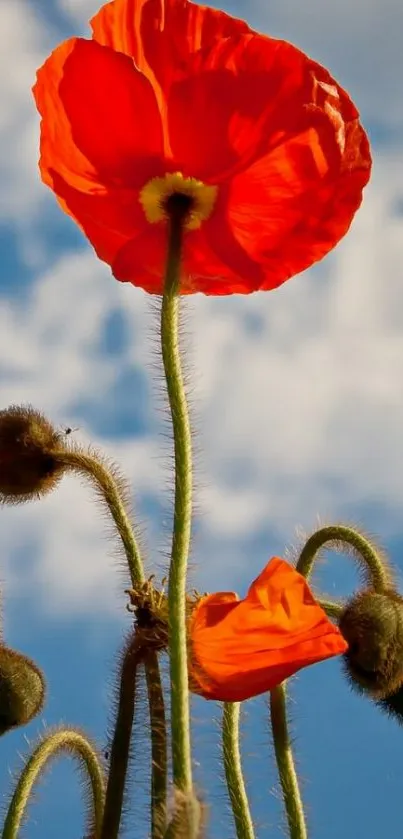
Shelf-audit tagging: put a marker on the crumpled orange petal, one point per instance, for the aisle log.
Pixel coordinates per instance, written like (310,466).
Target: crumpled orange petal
(242,648)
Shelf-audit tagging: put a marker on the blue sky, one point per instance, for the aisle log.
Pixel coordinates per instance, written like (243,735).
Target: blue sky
(298,400)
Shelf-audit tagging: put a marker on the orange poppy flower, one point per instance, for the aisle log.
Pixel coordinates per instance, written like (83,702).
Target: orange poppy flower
(171,97)
(241,648)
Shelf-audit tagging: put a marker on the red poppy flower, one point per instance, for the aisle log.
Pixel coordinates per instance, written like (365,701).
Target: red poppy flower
(241,648)
(173,97)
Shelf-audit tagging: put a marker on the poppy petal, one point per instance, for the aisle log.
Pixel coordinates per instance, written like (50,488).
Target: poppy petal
(289,162)
(214,122)
(246,647)
(161,34)
(296,163)
(108,217)
(141,261)
(275,153)
(94,105)
(300,208)
(315,235)
(215,261)
(202,268)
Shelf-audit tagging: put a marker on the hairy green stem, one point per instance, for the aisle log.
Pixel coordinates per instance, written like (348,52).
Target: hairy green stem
(343,538)
(233,771)
(187,819)
(285,763)
(74,743)
(112,491)
(110,488)
(120,749)
(180,723)
(158,747)
(333,610)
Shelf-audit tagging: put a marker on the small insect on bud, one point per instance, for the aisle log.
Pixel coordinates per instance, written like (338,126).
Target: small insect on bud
(372,625)
(28,455)
(22,689)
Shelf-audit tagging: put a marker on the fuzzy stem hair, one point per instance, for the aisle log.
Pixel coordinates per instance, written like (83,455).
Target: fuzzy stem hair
(180,716)
(187,819)
(109,488)
(120,747)
(158,747)
(338,537)
(285,764)
(333,610)
(233,771)
(76,744)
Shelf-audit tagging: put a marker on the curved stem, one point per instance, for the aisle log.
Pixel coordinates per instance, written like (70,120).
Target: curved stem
(180,723)
(233,771)
(65,740)
(111,489)
(343,538)
(333,610)
(285,763)
(158,747)
(120,749)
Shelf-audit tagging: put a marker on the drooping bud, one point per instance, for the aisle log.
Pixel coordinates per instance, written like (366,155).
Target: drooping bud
(372,625)
(22,689)
(28,464)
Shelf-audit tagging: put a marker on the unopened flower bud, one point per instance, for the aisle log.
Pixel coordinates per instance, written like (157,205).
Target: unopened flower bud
(22,689)
(372,625)
(28,455)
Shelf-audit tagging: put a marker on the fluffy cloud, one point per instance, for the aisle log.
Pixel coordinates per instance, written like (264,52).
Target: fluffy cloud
(24,43)
(297,394)
(315,388)
(80,12)
(359,41)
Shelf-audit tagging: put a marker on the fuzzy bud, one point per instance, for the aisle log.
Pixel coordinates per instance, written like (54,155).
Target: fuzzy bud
(22,689)
(28,455)
(372,625)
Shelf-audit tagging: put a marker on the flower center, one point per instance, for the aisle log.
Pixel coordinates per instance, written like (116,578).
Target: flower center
(173,194)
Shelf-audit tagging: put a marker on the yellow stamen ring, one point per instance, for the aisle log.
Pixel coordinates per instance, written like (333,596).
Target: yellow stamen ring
(154,195)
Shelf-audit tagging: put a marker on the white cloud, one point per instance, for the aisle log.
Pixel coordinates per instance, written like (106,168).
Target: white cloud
(80,12)
(63,547)
(24,43)
(297,393)
(360,42)
(315,397)
(48,358)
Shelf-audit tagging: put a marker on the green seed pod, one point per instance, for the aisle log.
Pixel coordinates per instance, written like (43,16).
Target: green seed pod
(372,625)
(22,689)
(28,447)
